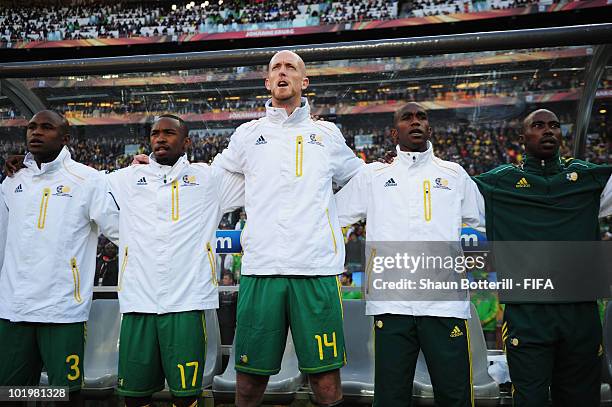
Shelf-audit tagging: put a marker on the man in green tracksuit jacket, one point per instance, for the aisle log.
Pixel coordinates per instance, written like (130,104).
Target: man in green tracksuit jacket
(548,198)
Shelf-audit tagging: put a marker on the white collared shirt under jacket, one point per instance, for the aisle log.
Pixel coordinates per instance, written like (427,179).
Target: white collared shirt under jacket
(417,198)
(289,162)
(54,213)
(168,219)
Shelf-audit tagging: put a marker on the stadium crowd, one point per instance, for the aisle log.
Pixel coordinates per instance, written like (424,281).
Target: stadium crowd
(325,98)
(70,20)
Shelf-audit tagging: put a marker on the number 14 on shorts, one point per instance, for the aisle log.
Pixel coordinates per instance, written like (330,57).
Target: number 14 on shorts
(323,341)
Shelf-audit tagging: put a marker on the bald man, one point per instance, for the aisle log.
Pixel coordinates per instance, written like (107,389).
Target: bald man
(55,209)
(549,198)
(293,246)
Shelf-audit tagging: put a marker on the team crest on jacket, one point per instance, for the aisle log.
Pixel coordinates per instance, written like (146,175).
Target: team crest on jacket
(441,183)
(189,180)
(62,190)
(572,176)
(316,139)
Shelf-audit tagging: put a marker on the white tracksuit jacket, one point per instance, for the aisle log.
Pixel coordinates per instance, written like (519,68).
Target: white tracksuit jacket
(50,256)
(289,163)
(168,220)
(392,197)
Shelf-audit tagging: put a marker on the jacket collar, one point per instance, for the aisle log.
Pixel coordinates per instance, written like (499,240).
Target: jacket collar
(52,166)
(415,158)
(169,173)
(278,115)
(537,166)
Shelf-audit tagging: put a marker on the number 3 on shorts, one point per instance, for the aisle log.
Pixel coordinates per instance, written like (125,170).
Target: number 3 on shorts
(326,343)
(74,367)
(195,373)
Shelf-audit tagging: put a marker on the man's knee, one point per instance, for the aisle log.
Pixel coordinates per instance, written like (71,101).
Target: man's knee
(334,404)
(250,389)
(185,401)
(138,401)
(250,382)
(326,387)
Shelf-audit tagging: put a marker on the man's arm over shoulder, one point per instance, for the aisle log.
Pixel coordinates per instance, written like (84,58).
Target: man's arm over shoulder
(230,189)
(487,181)
(352,199)
(117,181)
(344,162)
(472,202)
(103,207)
(233,158)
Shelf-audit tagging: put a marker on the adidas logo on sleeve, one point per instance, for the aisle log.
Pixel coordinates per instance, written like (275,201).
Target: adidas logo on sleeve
(142,181)
(19,188)
(390,183)
(261,140)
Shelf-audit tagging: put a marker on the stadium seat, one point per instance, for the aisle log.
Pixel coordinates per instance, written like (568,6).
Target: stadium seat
(101,348)
(486,391)
(281,388)
(358,375)
(212,366)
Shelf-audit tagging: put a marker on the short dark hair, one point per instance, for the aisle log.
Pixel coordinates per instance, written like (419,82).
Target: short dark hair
(64,126)
(182,123)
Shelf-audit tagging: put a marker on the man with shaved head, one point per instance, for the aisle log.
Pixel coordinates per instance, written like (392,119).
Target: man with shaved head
(293,247)
(549,198)
(54,209)
(417,198)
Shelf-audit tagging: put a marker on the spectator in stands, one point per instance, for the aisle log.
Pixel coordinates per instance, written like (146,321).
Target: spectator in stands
(107,272)
(346,280)
(554,346)
(294,245)
(241,222)
(162,293)
(386,194)
(55,207)
(487,306)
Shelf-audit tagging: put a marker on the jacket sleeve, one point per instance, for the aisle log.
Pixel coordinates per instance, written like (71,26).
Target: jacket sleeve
(103,208)
(230,189)
(232,159)
(115,182)
(3,225)
(345,163)
(472,204)
(605,206)
(352,199)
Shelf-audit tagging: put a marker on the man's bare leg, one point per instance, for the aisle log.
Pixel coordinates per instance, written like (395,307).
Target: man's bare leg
(250,389)
(326,387)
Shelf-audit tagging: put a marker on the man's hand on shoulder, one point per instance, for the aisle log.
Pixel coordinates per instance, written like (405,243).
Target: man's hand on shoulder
(388,157)
(140,159)
(13,164)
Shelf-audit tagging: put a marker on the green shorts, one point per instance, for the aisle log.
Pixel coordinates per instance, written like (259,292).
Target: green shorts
(269,305)
(155,347)
(28,346)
